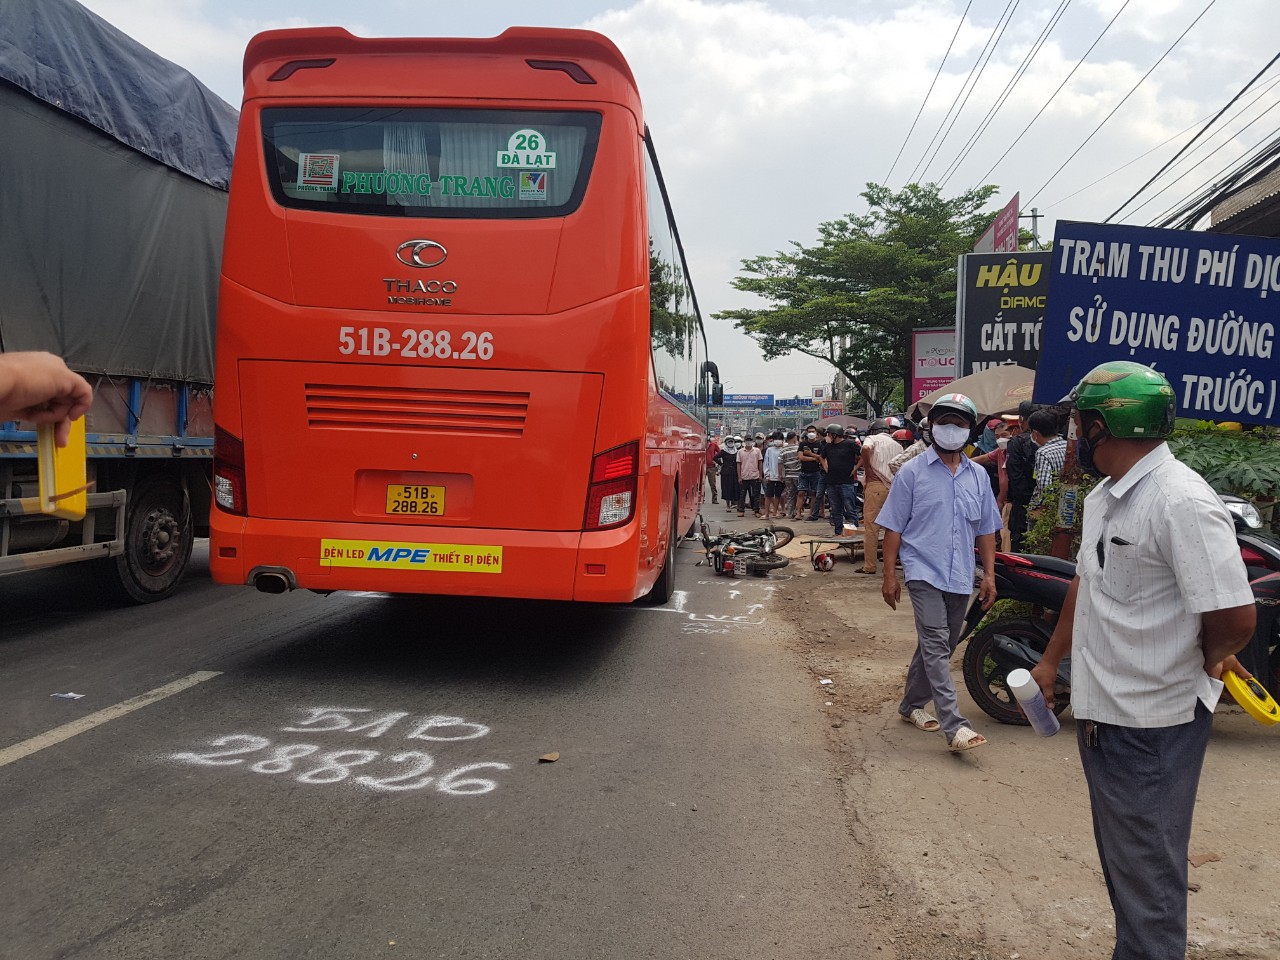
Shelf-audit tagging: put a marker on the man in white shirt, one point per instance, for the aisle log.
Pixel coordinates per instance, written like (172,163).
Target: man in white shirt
(878,449)
(1159,606)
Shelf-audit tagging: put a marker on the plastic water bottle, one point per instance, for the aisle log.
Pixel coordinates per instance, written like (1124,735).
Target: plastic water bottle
(1033,704)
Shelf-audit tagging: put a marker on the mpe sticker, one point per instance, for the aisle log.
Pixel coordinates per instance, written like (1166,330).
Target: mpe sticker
(390,555)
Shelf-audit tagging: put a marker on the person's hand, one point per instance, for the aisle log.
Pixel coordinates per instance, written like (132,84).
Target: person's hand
(39,387)
(891,589)
(1216,670)
(987,592)
(1046,678)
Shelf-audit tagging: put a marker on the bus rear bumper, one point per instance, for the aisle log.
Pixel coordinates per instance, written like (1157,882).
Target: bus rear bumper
(600,567)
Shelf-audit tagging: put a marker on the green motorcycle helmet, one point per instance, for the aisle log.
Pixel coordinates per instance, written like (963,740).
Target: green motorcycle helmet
(1134,401)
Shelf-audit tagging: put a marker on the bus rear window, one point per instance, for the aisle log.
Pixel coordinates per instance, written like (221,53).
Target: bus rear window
(417,162)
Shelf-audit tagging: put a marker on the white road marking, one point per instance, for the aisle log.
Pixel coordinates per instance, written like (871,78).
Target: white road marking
(68,730)
(305,763)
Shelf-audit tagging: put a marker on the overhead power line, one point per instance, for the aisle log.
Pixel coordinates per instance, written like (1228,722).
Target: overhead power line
(1190,211)
(1164,143)
(963,103)
(928,92)
(1204,159)
(1122,102)
(1018,139)
(1243,90)
(1008,89)
(978,66)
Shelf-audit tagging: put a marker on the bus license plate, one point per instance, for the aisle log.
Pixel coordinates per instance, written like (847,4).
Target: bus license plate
(415,500)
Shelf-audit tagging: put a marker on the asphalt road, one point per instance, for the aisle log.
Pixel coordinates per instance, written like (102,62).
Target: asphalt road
(359,776)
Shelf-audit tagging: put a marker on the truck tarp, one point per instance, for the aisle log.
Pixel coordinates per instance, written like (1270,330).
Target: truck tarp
(60,53)
(109,255)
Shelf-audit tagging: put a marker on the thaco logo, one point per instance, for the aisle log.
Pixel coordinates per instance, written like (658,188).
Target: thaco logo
(421,253)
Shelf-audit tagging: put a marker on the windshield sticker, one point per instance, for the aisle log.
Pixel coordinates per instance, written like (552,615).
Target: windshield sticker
(527,148)
(318,172)
(451,186)
(533,185)
(387,181)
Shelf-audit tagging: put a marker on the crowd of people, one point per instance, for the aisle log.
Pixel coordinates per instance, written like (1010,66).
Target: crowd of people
(831,474)
(1158,608)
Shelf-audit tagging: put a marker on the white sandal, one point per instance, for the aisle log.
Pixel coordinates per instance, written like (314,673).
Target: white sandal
(921,719)
(966,738)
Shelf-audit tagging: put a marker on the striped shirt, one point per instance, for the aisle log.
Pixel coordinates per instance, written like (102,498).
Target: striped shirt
(1049,461)
(790,461)
(1157,550)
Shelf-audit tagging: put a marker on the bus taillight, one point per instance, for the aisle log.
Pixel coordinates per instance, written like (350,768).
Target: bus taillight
(611,500)
(228,472)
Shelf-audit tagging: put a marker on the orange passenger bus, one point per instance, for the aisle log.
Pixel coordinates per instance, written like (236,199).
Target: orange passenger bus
(457,351)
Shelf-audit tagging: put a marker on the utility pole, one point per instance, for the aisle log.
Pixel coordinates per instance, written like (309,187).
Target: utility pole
(1034,217)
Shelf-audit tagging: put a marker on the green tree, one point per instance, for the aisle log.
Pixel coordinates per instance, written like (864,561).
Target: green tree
(853,298)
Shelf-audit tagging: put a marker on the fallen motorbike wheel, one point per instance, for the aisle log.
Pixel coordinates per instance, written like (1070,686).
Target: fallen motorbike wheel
(759,566)
(781,535)
(987,678)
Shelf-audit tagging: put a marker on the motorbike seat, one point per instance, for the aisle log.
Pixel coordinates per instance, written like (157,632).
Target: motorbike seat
(1052,564)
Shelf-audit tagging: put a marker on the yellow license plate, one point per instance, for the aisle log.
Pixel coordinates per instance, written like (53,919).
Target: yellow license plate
(415,500)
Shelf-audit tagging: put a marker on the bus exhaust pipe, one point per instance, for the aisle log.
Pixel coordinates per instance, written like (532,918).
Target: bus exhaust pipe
(273,579)
(271,583)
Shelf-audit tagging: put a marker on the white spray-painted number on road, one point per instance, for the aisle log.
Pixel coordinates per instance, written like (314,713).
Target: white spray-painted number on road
(387,772)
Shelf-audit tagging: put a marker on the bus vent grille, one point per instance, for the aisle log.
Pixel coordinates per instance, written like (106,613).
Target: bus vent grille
(490,413)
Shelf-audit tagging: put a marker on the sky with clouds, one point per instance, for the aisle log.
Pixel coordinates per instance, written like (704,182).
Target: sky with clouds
(770,116)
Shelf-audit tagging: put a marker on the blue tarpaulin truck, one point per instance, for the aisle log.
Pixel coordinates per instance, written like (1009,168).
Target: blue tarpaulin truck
(114,165)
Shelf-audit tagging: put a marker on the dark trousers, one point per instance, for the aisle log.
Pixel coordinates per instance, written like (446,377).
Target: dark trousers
(818,495)
(844,505)
(1142,790)
(1017,525)
(750,492)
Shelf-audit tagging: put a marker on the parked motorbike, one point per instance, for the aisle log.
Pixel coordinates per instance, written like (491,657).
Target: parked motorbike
(1018,642)
(754,553)
(1260,550)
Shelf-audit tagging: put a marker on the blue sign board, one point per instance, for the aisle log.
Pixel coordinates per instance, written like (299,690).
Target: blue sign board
(748,399)
(1202,308)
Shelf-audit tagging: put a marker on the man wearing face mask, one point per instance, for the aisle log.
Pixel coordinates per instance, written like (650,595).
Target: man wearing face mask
(939,505)
(840,461)
(810,473)
(1158,608)
(749,463)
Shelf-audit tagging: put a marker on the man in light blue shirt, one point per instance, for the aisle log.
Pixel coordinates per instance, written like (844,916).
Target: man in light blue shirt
(939,505)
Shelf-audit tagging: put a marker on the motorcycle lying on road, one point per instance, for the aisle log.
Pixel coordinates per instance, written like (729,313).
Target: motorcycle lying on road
(753,553)
(1018,642)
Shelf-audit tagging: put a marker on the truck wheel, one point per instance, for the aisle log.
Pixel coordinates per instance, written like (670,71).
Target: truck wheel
(157,542)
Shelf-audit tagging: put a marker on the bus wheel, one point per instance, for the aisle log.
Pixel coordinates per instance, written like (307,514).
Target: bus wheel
(665,585)
(157,542)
